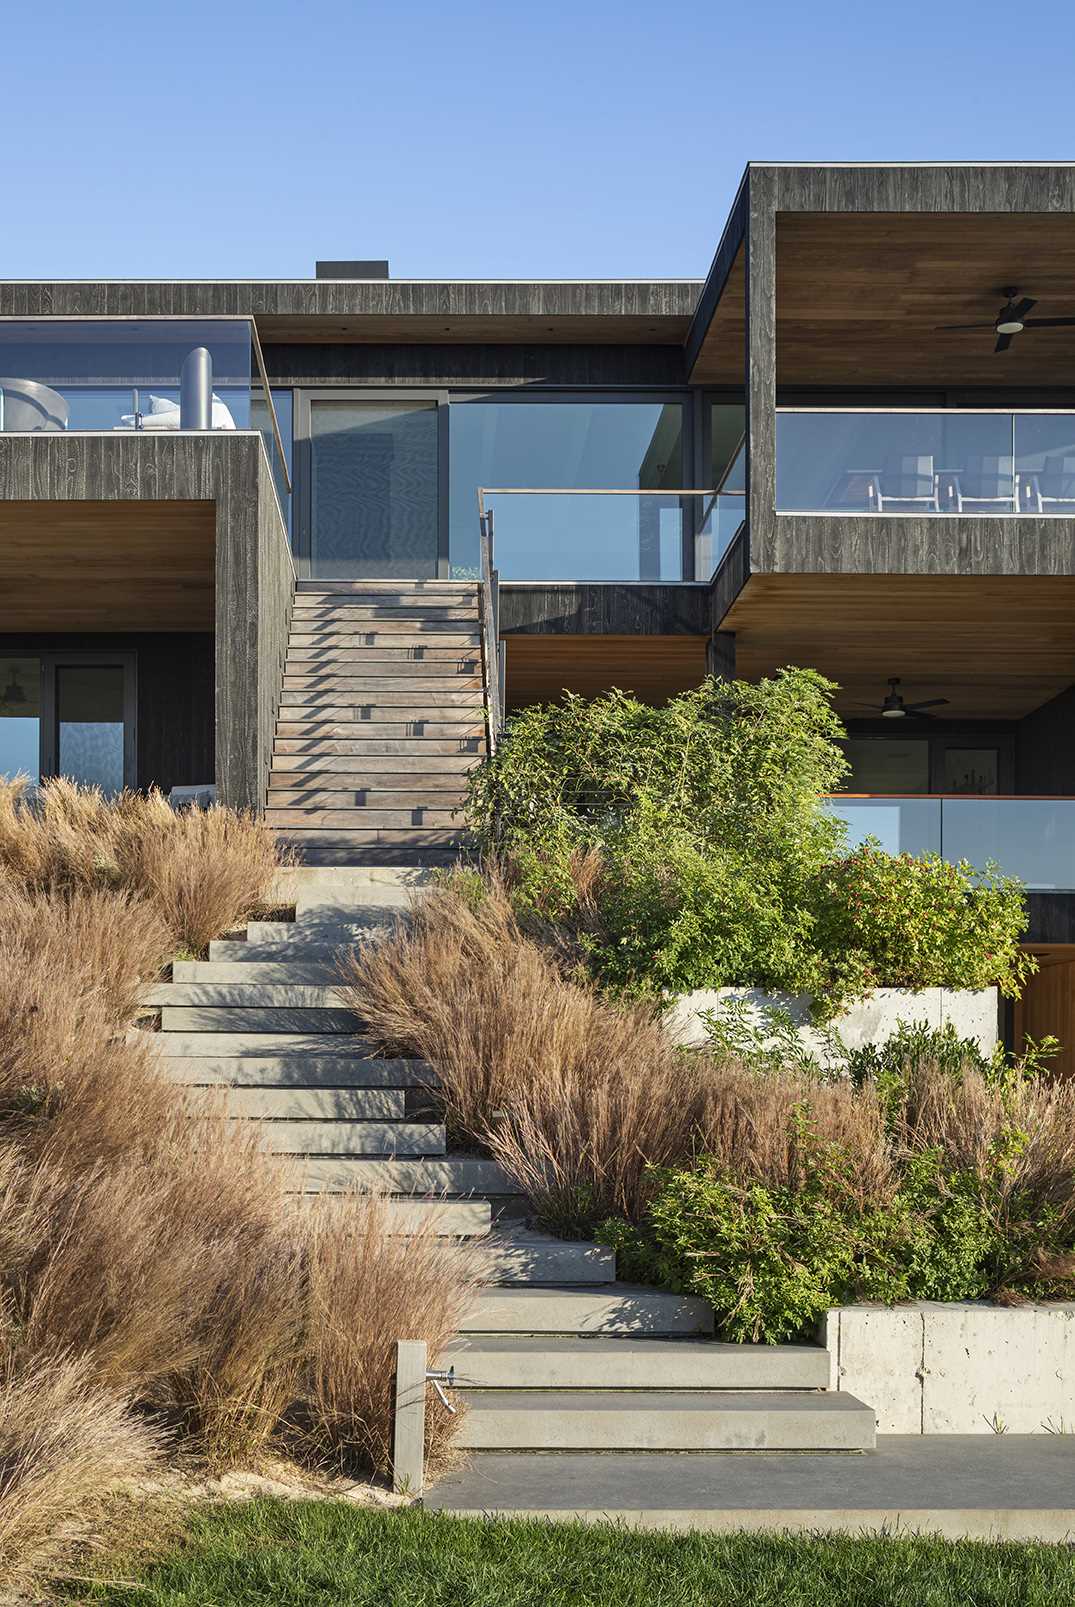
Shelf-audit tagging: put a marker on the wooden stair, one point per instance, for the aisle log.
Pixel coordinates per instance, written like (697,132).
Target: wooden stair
(382,715)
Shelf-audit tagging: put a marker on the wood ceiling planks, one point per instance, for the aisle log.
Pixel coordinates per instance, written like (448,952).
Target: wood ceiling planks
(106,566)
(541,668)
(995,646)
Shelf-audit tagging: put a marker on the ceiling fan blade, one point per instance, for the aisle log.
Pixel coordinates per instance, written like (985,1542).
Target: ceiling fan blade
(1003,342)
(938,327)
(1021,308)
(928,703)
(918,714)
(1049,323)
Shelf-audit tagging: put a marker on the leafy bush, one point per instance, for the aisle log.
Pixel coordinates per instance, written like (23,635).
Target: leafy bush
(687,847)
(978,1200)
(677,844)
(890,920)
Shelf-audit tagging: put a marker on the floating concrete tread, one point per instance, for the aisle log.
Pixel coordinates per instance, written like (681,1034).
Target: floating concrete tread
(437,1175)
(221,1018)
(354,1138)
(294,1072)
(312,973)
(610,1308)
(266,995)
(527,1257)
(304,1104)
(665,1420)
(232,1042)
(524,1361)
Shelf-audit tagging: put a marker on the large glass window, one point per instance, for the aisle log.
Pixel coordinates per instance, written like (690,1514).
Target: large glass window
(20,718)
(571,445)
(373,489)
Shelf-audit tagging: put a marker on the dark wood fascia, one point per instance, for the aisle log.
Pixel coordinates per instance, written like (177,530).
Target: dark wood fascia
(603,610)
(731,240)
(483,366)
(1051,918)
(730,578)
(814,544)
(332,310)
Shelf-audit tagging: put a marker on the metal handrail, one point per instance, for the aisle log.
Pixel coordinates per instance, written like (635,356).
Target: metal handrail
(493,659)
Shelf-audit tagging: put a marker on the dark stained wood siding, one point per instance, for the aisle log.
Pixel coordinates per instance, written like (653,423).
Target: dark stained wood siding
(608,610)
(1045,748)
(942,545)
(253,586)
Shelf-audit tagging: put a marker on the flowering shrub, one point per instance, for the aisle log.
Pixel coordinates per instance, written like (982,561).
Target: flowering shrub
(893,921)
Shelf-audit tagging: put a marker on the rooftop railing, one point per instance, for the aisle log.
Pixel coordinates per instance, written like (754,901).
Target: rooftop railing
(925,463)
(1029,837)
(135,376)
(610,534)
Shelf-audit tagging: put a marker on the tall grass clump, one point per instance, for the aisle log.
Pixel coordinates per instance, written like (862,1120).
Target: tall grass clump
(369,1287)
(204,871)
(68,1447)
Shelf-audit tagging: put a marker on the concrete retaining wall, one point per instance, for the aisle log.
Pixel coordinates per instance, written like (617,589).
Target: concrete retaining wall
(974,1014)
(961,1368)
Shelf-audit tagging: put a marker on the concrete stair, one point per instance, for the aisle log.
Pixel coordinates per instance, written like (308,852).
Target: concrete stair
(555,1355)
(381,716)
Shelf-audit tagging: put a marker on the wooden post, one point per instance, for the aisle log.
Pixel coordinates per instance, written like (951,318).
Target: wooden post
(409,1429)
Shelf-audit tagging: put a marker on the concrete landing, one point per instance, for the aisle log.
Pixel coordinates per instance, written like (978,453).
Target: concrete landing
(1011,1487)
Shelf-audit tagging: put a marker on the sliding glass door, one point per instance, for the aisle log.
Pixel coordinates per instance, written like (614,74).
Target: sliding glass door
(372,476)
(69,714)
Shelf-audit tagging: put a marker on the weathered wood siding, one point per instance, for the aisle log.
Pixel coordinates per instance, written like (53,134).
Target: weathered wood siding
(603,610)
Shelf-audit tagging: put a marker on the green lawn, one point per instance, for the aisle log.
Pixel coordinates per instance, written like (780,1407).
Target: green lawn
(319,1554)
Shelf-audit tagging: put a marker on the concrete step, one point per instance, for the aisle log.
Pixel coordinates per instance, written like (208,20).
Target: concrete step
(524,1361)
(354,1138)
(617,1308)
(223,1018)
(271,1043)
(345,856)
(435,1174)
(294,1104)
(301,948)
(339,792)
(266,995)
(364,818)
(301,1072)
(985,1487)
(298,970)
(526,1257)
(457,1219)
(664,1420)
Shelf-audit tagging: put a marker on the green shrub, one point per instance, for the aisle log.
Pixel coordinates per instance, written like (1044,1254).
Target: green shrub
(890,920)
(687,847)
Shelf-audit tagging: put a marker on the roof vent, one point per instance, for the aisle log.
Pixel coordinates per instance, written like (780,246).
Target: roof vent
(374,269)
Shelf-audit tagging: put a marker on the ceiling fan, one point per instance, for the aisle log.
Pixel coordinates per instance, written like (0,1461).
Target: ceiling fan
(1012,320)
(893,706)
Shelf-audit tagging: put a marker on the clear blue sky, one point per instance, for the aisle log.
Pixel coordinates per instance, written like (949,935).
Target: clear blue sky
(556,138)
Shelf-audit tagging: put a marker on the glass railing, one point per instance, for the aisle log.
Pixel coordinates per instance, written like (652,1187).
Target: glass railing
(1032,838)
(609,535)
(137,375)
(925,463)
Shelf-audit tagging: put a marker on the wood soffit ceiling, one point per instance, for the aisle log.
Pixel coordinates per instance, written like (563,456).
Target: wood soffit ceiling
(996,646)
(107,566)
(859,296)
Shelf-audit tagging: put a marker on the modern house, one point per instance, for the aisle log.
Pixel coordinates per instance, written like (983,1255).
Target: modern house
(240,539)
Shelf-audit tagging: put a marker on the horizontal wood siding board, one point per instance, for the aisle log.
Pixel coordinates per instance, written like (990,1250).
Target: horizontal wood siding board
(582,610)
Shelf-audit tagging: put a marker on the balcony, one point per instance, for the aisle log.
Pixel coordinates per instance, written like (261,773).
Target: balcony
(925,464)
(1031,838)
(137,375)
(560,535)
